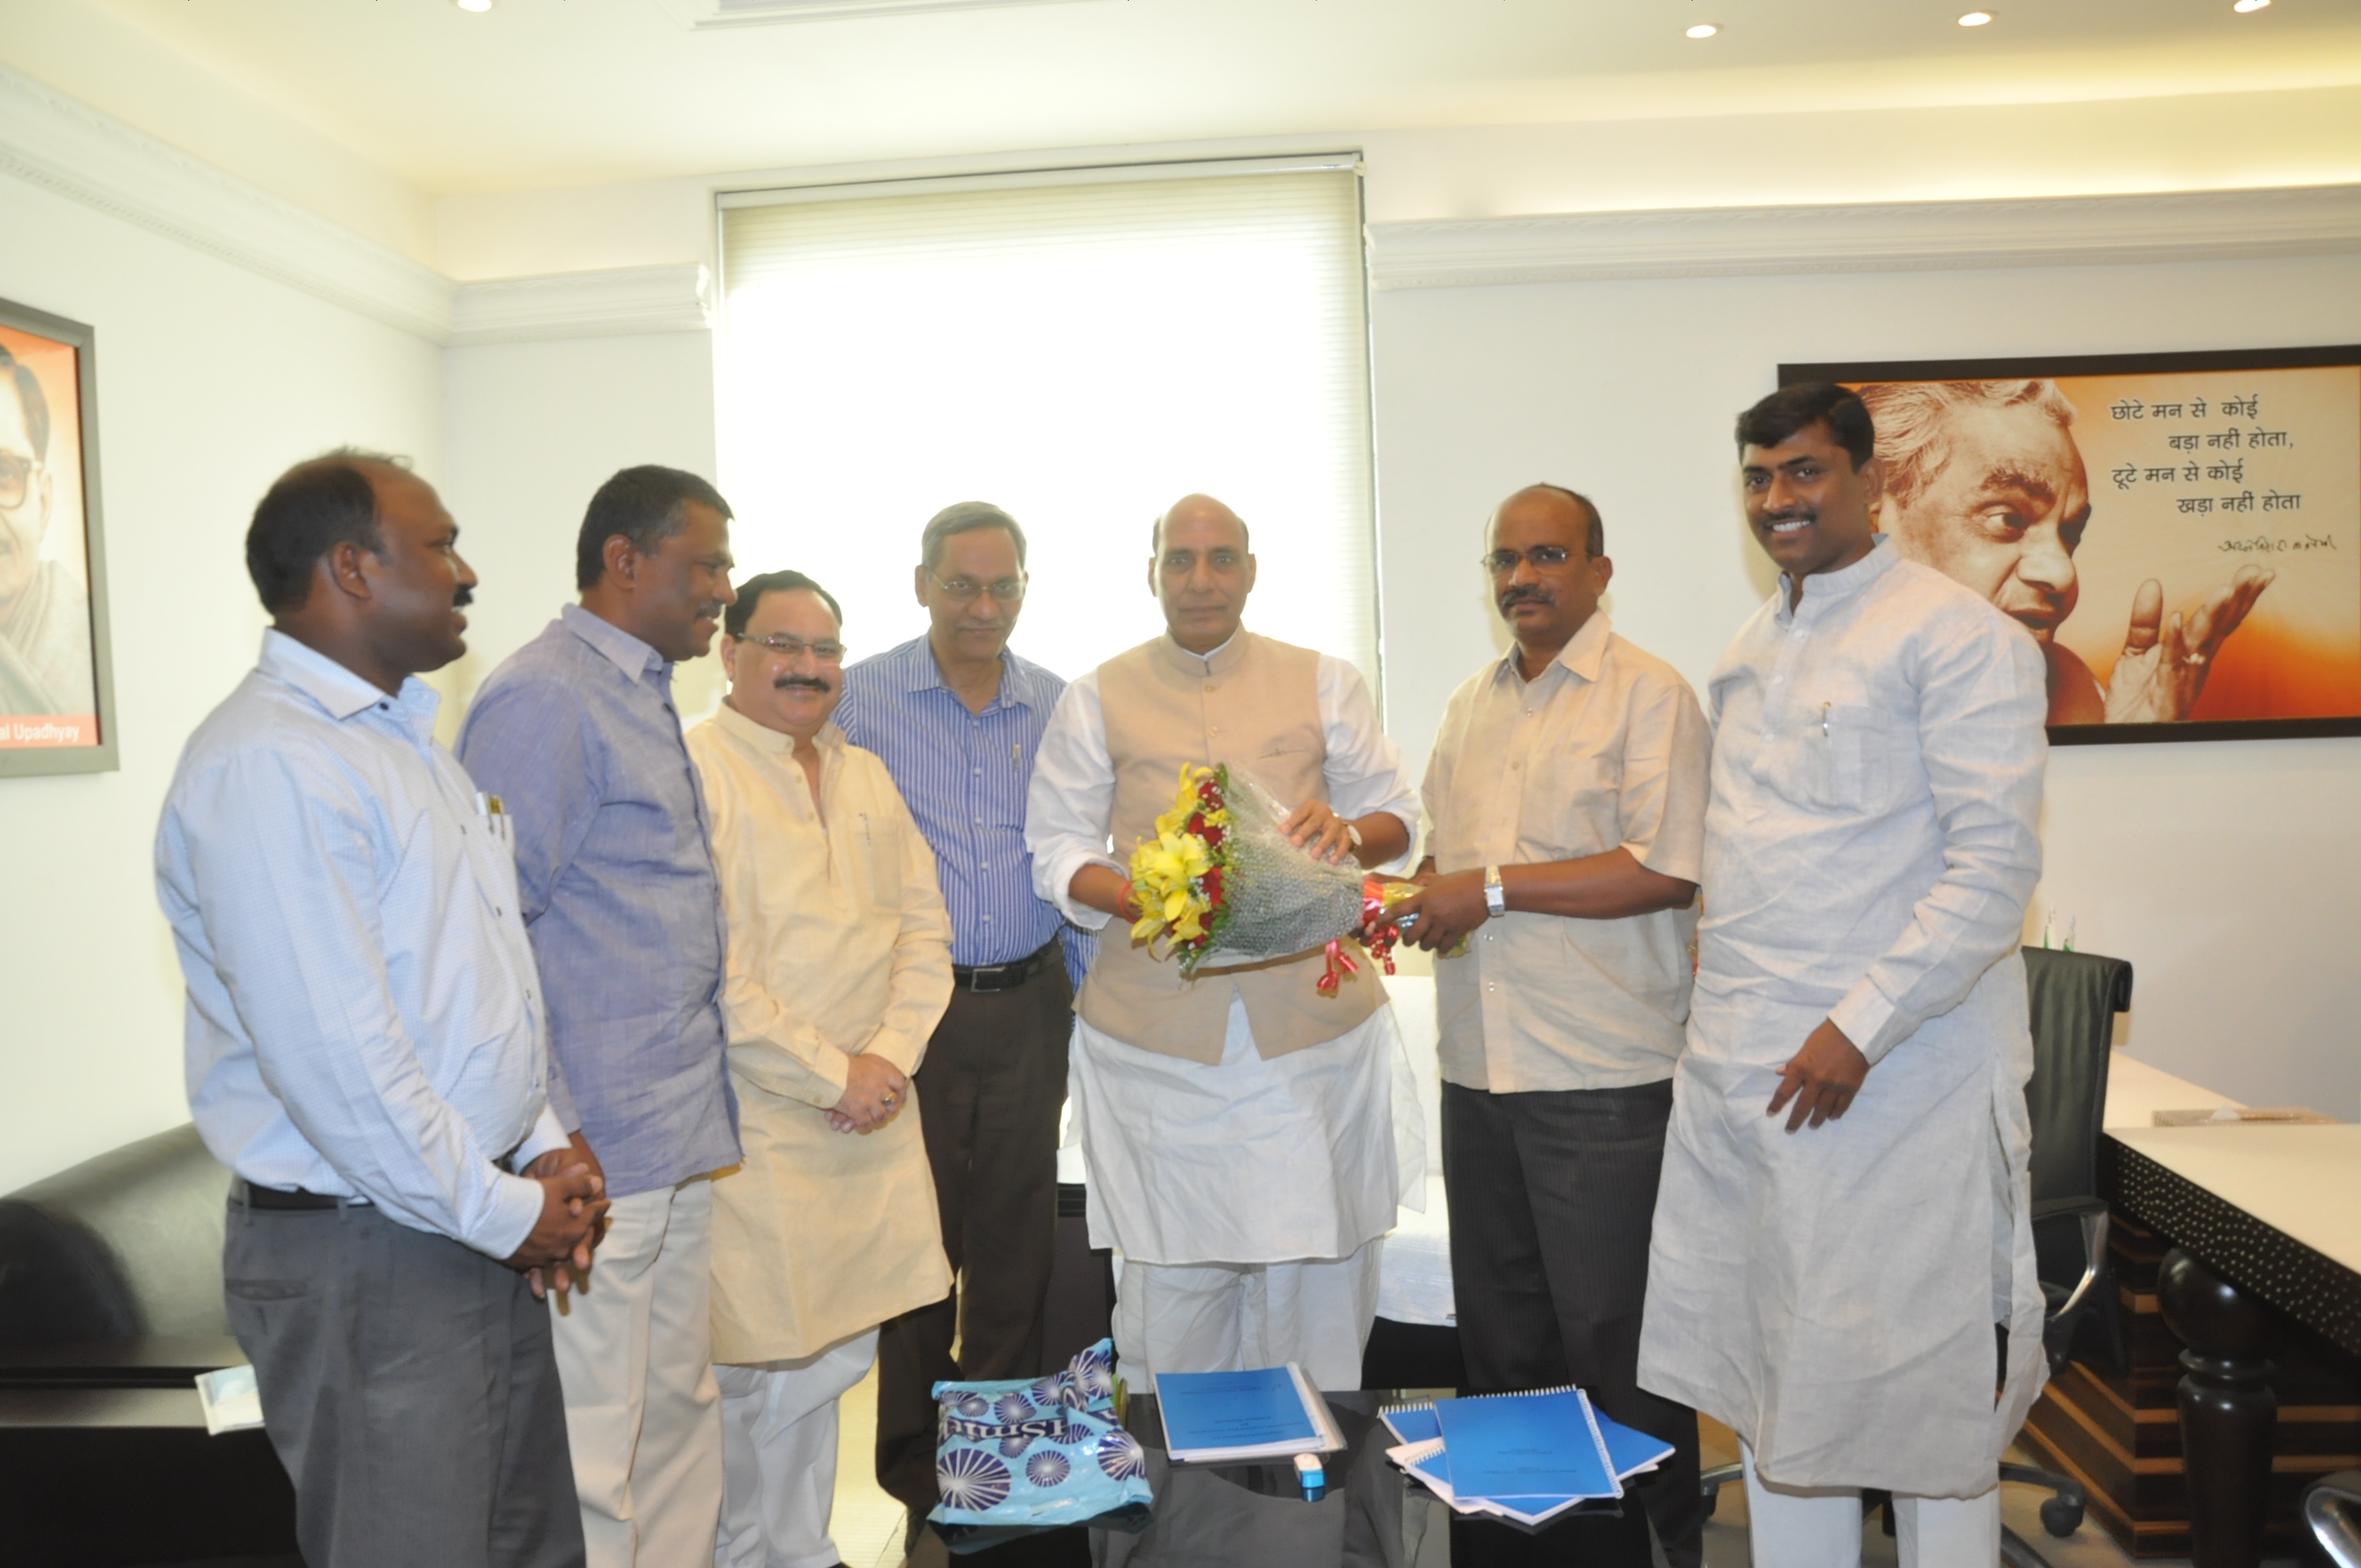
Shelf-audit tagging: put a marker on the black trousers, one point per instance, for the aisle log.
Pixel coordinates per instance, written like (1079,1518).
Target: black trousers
(1553,1195)
(991,1086)
(410,1388)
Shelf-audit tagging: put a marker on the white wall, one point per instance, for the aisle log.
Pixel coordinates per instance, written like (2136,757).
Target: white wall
(211,380)
(530,431)
(2223,870)
(2226,872)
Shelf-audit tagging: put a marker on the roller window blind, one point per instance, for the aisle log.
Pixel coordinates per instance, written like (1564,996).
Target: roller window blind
(1080,354)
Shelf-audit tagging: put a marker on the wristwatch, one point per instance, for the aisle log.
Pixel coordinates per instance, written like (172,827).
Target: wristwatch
(1496,897)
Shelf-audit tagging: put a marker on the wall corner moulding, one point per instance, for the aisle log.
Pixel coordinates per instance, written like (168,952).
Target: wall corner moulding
(63,145)
(584,304)
(2062,231)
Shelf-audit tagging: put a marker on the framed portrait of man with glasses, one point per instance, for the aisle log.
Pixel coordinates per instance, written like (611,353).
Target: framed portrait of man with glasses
(57,693)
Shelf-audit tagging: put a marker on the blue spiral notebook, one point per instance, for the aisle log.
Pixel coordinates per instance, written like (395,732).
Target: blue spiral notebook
(1214,1418)
(1629,1451)
(1525,1446)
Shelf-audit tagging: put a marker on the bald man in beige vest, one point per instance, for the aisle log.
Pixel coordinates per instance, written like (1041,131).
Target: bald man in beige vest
(1238,1127)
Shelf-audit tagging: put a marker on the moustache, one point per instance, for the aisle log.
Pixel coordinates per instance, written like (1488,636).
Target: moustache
(463,598)
(1793,514)
(709,612)
(1532,593)
(802,683)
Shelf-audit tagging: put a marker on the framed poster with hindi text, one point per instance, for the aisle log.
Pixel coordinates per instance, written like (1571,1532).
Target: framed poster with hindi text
(57,677)
(2180,532)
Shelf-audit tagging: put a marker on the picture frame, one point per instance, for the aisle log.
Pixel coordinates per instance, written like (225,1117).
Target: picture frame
(2181,531)
(57,667)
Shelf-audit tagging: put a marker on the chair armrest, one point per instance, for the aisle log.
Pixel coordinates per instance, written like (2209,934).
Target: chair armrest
(2092,1213)
(2331,1507)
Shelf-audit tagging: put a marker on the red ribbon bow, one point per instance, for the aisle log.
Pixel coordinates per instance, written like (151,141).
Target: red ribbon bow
(1375,933)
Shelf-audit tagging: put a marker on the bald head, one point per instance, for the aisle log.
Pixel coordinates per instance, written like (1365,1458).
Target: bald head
(1574,503)
(1201,572)
(1548,565)
(1197,506)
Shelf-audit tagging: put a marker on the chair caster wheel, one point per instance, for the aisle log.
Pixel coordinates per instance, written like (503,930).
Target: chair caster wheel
(1711,1499)
(2061,1516)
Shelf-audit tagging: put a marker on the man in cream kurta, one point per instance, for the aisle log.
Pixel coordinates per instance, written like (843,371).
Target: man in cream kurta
(1828,1282)
(838,970)
(1239,1128)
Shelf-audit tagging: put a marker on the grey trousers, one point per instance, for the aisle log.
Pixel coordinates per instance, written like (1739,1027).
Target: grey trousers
(1553,1195)
(408,1386)
(991,1088)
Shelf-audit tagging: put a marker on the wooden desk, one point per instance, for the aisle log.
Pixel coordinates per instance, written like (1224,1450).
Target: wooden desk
(2242,1242)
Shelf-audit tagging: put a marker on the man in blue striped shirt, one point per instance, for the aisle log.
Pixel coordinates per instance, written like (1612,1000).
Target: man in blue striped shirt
(957,718)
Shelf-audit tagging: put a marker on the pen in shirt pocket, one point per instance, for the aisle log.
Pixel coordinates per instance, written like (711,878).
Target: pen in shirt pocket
(1824,720)
(495,815)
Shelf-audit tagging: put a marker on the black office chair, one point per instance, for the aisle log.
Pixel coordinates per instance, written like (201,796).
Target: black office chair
(2072,1000)
(2331,1506)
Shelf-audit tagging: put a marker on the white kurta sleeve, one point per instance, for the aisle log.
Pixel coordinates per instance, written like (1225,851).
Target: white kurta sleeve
(1070,807)
(1981,701)
(1364,769)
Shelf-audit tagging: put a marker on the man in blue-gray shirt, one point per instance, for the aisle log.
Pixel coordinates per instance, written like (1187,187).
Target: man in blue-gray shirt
(957,719)
(577,735)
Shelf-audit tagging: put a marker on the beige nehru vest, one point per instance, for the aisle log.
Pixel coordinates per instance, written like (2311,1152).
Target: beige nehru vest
(1256,706)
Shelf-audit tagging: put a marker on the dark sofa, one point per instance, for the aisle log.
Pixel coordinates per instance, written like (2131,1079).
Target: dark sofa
(122,1246)
(110,1305)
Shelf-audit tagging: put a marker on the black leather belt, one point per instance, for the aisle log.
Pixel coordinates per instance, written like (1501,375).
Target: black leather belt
(1005,976)
(298,1200)
(272,1198)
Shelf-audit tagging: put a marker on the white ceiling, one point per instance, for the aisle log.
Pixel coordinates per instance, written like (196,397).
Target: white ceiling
(546,93)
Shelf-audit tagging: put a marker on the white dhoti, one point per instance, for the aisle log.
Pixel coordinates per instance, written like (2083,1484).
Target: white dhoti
(1820,1528)
(778,1455)
(1245,1196)
(1830,1294)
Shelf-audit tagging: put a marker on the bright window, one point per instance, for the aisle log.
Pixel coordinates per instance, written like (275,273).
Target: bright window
(1080,353)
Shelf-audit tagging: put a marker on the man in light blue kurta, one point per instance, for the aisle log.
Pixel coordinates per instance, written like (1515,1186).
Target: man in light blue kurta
(1827,1282)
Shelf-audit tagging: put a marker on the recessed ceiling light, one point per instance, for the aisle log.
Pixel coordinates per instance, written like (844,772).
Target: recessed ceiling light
(1975,18)
(2250,5)
(1703,30)
(473,4)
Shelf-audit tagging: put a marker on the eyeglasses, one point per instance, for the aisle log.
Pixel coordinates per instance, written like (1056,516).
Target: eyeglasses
(966,590)
(1500,562)
(787,647)
(16,479)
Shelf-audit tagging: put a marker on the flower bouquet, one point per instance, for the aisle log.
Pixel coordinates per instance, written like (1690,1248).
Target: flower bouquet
(1221,881)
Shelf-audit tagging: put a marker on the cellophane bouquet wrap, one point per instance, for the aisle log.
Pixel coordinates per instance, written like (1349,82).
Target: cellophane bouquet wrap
(1220,881)
(1045,1451)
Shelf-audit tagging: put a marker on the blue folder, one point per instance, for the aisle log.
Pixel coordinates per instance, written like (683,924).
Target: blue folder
(1628,1451)
(1232,1410)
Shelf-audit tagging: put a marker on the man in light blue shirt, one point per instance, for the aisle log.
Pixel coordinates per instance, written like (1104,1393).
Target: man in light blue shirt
(577,733)
(366,1052)
(957,719)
